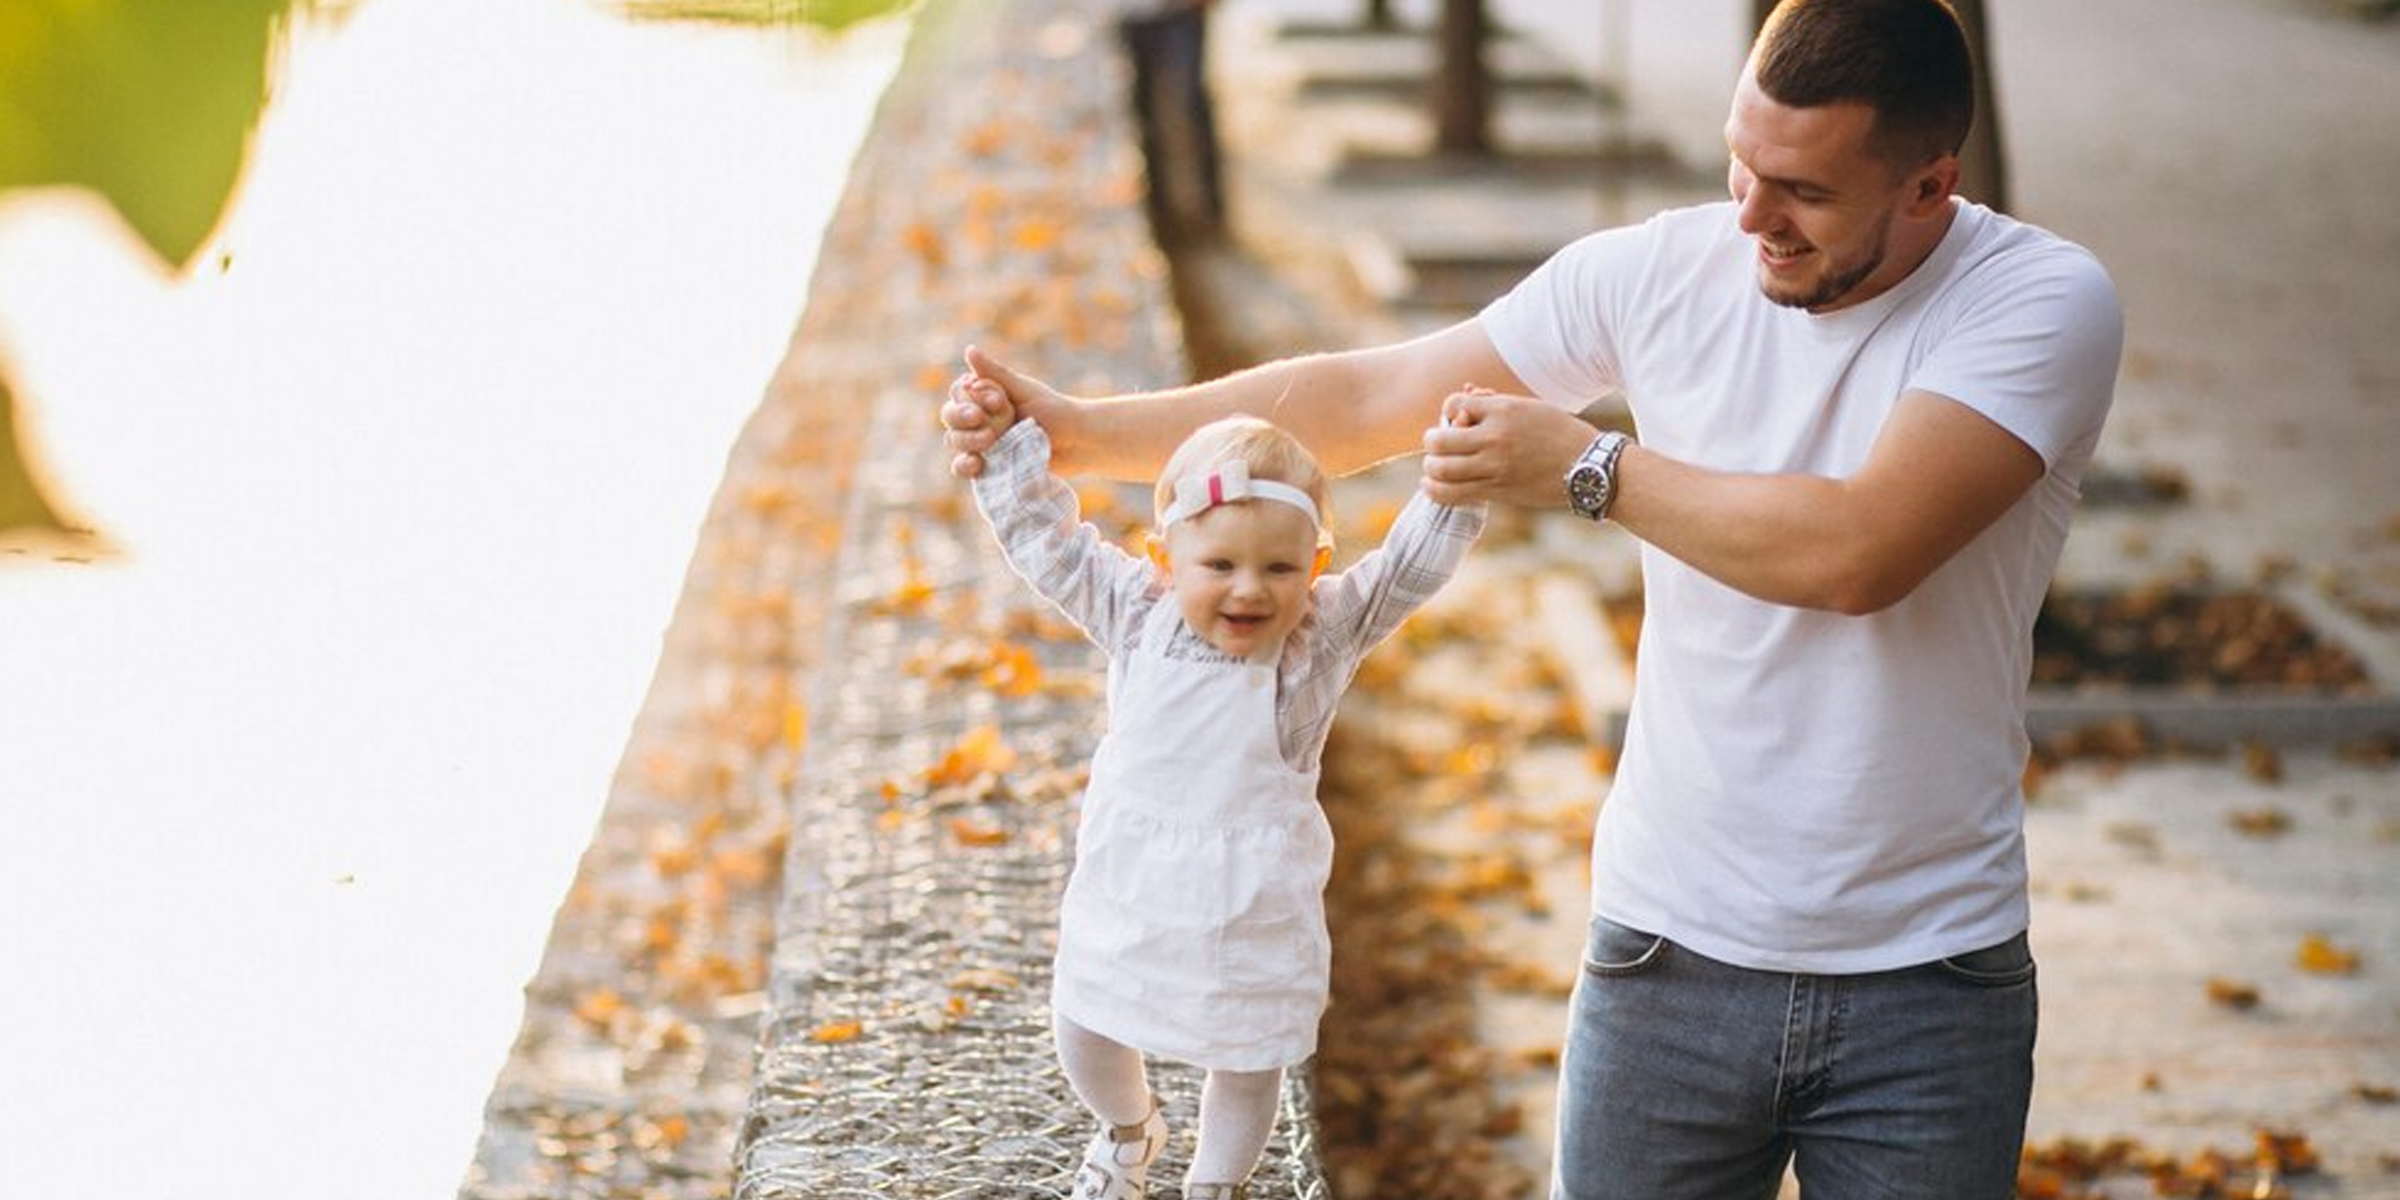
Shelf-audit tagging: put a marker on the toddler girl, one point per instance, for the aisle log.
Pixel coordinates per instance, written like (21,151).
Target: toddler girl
(1193,926)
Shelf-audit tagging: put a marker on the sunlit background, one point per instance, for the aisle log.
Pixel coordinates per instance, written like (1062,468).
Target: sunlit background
(392,488)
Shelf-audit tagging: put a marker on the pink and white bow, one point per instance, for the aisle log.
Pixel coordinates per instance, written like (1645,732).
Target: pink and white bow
(1230,482)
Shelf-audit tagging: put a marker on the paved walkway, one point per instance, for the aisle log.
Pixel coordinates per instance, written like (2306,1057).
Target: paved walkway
(2165,887)
(2260,374)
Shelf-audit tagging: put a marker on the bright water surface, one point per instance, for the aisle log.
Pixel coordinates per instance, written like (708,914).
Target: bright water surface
(403,480)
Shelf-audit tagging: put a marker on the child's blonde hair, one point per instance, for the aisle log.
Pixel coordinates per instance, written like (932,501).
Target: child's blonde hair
(1265,447)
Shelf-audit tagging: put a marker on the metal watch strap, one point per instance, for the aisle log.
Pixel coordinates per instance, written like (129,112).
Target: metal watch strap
(1592,481)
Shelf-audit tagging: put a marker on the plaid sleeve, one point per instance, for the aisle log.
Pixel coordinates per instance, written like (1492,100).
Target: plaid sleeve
(1039,524)
(1359,608)
(1363,605)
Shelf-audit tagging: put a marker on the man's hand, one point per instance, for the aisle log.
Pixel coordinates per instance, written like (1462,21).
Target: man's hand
(985,400)
(1507,448)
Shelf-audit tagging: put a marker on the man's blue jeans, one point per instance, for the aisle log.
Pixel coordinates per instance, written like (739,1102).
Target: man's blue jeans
(1685,1077)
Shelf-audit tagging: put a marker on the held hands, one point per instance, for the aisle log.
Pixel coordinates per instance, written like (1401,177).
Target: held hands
(985,400)
(1508,448)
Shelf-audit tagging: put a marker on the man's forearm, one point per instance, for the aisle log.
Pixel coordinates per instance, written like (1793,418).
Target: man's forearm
(1939,475)
(1352,409)
(1784,539)
(1318,397)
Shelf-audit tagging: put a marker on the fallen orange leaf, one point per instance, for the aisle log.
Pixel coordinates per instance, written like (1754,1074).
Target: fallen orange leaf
(2320,955)
(2232,994)
(745,868)
(986,139)
(969,833)
(795,725)
(925,243)
(1036,235)
(661,933)
(836,1032)
(983,979)
(911,595)
(979,751)
(1097,499)
(674,1130)
(1013,671)
(1474,758)
(671,859)
(598,1007)
(1375,523)
(766,497)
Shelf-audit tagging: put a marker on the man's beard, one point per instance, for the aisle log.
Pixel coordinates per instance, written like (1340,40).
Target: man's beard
(1841,283)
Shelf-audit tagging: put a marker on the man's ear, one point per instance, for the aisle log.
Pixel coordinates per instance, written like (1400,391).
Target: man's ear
(1934,186)
(1324,560)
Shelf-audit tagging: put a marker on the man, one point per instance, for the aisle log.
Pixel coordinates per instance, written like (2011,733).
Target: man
(1865,407)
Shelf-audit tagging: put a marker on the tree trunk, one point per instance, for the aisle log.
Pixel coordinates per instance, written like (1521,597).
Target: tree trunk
(1462,98)
(1379,15)
(1982,168)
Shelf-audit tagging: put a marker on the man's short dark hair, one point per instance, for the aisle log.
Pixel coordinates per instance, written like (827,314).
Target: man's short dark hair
(1907,60)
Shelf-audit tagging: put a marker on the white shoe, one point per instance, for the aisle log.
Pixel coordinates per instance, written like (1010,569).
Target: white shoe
(1117,1162)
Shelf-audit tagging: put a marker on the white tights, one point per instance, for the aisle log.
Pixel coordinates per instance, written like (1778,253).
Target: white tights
(1237,1108)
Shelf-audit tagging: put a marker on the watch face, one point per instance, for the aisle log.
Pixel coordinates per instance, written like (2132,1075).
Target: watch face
(1586,488)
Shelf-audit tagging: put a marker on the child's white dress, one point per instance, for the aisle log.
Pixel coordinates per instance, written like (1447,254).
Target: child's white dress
(1193,926)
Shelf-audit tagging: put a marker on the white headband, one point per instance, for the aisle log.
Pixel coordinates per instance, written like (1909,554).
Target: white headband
(1196,494)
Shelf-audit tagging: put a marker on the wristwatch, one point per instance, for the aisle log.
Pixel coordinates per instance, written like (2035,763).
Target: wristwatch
(1592,481)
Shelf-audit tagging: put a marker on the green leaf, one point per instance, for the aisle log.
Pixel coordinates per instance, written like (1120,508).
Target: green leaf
(149,102)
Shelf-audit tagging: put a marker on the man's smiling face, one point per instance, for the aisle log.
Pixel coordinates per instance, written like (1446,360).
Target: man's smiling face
(1815,198)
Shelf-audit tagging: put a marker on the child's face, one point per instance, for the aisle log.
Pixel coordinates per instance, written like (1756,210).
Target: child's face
(1240,573)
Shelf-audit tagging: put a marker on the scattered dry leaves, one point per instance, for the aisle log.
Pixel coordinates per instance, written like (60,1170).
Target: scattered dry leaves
(2070,1168)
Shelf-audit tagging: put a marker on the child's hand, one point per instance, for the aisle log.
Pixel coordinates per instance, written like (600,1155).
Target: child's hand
(1490,446)
(979,404)
(1459,409)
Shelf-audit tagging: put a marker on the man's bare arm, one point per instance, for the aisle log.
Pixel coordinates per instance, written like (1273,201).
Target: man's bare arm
(1353,409)
(1939,474)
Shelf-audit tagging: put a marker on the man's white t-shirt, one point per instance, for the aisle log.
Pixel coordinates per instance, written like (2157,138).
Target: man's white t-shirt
(1802,790)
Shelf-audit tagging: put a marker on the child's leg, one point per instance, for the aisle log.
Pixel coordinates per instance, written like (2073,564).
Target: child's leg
(1106,1075)
(1109,1079)
(1237,1115)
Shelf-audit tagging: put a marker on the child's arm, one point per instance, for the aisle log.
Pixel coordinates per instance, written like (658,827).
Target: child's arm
(1034,514)
(1363,605)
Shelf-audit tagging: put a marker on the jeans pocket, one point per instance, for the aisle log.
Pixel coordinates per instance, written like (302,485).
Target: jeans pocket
(1615,950)
(2007,964)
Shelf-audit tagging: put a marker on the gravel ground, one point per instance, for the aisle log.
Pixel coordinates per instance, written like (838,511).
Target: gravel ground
(2219,931)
